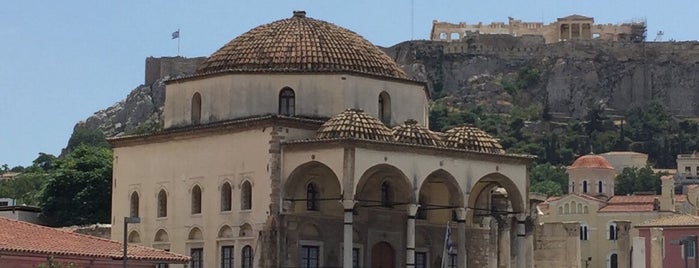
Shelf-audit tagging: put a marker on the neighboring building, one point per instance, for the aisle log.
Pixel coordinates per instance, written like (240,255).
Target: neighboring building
(4,202)
(279,152)
(573,27)
(21,213)
(25,245)
(597,209)
(687,171)
(625,159)
(667,232)
(8,175)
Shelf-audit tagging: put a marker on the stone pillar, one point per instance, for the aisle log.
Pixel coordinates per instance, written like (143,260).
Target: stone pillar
(347,234)
(521,241)
(410,243)
(461,247)
(623,243)
(656,247)
(504,226)
(570,31)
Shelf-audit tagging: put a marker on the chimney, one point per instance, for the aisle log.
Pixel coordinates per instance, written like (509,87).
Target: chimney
(299,14)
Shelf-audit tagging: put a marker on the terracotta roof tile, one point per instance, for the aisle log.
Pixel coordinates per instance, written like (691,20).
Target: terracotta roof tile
(411,132)
(472,138)
(17,236)
(672,220)
(354,123)
(627,208)
(301,44)
(633,199)
(591,161)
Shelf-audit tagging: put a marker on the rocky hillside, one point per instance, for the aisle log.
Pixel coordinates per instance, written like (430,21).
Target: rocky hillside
(497,72)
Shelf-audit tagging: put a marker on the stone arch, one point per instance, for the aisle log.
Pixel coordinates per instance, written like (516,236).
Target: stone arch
(310,230)
(225,232)
(481,202)
(134,237)
(439,192)
(245,230)
(196,108)
(161,236)
(326,185)
(368,189)
(384,107)
(195,234)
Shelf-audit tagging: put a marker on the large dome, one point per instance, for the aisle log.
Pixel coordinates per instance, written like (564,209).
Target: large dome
(301,44)
(354,123)
(591,161)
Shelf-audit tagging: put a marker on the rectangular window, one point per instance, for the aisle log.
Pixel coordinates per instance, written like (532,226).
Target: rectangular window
(227,257)
(688,250)
(688,170)
(197,255)
(162,265)
(420,259)
(355,257)
(697,171)
(310,256)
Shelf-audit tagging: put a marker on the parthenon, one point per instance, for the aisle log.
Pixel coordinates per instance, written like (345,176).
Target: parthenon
(573,27)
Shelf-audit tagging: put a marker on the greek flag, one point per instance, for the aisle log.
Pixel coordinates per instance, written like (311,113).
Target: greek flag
(176,34)
(449,244)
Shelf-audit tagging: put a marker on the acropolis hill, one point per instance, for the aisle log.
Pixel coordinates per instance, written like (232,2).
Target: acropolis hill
(569,76)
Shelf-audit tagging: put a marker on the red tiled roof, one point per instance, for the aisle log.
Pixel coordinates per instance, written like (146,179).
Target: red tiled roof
(633,199)
(23,237)
(672,220)
(591,161)
(627,208)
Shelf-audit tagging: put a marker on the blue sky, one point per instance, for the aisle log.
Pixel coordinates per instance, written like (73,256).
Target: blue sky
(60,61)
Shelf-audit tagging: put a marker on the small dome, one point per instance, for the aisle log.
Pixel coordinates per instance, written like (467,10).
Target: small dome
(301,44)
(354,123)
(411,132)
(591,161)
(472,138)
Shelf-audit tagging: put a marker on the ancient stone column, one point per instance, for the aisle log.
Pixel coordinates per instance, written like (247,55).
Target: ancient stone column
(461,247)
(623,243)
(521,241)
(410,243)
(504,226)
(656,247)
(347,234)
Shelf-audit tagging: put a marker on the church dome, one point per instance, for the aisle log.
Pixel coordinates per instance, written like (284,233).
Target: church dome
(472,138)
(301,44)
(411,132)
(354,123)
(591,161)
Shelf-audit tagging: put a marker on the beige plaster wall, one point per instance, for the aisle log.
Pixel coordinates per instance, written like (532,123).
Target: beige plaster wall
(179,164)
(592,175)
(556,245)
(320,95)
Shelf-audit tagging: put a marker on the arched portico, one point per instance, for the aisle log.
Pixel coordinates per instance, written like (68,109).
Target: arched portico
(496,204)
(438,197)
(380,180)
(313,186)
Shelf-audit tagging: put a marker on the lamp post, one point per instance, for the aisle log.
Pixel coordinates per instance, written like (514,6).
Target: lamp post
(128,220)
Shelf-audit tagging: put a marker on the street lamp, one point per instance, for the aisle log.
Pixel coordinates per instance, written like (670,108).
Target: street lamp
(128,220)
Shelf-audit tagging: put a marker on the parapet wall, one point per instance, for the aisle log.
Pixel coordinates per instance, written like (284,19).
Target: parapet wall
(557,245)
(157,68)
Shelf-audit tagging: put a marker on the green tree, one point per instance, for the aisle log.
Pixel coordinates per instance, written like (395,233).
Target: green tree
(548,188)
(79,189)
(87,136)
(545,173)
(637,180)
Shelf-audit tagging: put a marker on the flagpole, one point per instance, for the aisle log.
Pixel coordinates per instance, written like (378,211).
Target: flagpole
(444,249)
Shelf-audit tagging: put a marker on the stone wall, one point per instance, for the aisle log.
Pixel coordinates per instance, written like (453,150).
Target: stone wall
(557,245)
(157,68)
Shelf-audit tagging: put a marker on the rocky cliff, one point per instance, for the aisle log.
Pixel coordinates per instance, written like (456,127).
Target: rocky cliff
(497,72)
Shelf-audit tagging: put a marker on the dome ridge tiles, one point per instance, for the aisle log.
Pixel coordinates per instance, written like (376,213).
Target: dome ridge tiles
(472,138)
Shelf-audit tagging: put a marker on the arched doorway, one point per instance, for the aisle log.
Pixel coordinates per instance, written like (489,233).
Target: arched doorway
(613,261)
(382,255)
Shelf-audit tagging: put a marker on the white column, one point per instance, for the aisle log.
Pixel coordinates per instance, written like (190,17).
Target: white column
(461,221)
(410,243)
(347,234)
(521,242)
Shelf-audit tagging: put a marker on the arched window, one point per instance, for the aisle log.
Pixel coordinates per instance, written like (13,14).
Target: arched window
(247,257)
(613,261)
(572,208)
(580,209)
(287,101)
(612,231)
(599,186)
(386,198)
(226,197)
(385,108)
(584,186)
(196,108)
(196,200)
(134,237)
(560,210)
(567,209)
(246,196)
(584,232)
(311,197)
(162,204)
(134,205)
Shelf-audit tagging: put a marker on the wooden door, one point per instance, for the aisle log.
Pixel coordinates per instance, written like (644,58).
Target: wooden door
(382,255)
